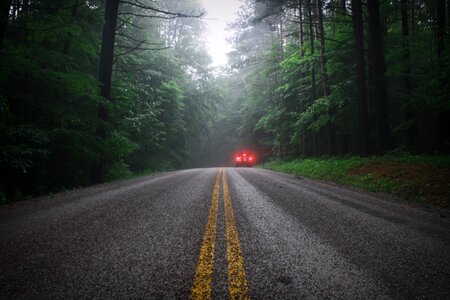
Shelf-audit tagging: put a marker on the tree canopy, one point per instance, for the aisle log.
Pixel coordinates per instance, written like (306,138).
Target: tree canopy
(342,77)
(92,91)
(63,114)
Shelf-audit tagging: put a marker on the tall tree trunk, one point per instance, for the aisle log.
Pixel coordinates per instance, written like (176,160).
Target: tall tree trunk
(281,36)
(313,69)
(411,19)
(105,77)
(107,50)
(4,14)
(410,115)
(321,36)
(361,85)
(25,7)
(379,77)
(342,5)
(440,26)
(311,37)
(72,19)
(276,79)
(448,15)
(331,131)
(444,116)
(300,28)
(301,38)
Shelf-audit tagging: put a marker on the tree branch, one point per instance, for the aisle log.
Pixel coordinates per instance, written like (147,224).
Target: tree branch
(175,14)
(127,21)
(146,49)
(137,47)
(136,40)
(146,16)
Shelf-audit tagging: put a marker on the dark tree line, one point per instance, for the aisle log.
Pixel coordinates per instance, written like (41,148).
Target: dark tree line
(92,91)
(357,77)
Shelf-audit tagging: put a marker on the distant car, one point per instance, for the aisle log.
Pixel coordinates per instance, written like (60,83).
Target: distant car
(244,158)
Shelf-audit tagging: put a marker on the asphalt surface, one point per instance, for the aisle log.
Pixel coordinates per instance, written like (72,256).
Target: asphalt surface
(298,238)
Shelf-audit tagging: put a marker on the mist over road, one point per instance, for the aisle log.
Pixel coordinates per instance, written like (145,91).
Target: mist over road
(240,232)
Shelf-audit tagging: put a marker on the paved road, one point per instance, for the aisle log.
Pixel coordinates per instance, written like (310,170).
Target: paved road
(239,232)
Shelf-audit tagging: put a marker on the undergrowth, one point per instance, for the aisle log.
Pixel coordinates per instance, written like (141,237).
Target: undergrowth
(417,178)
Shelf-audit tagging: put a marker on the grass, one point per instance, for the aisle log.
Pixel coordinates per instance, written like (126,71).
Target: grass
(416,178)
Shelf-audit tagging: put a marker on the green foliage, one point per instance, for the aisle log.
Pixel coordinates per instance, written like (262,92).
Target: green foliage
(162,100)
(330,169)
(118,170)
(400,173)
(285,104)
(316,115)
(169,111)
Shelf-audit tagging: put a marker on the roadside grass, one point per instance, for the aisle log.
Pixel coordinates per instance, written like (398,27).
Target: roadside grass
(423,179)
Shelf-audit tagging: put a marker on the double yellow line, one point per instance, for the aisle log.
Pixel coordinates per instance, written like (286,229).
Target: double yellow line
(237,280)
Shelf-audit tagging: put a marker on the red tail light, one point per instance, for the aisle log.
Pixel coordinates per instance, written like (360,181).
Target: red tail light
(244,158)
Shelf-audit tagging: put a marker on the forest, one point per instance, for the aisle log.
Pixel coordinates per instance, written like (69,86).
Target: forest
(94,91)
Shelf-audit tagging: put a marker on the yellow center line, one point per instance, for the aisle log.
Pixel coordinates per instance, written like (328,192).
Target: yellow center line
(203,276)
(237,280)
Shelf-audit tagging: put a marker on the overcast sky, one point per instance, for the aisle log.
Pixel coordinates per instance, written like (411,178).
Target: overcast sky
(219,12)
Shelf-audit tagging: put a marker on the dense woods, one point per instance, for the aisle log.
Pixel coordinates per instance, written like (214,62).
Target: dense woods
(92,91)
(341,77)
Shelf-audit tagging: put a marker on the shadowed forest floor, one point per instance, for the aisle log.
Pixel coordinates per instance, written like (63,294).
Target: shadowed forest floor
(415,178)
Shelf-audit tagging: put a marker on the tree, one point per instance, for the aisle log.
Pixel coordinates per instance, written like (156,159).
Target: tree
(360,78)
(159,101)
(300,28)
(331,130)
(379,78)
(440,26)
(4,14)
(443,66)
(105,77)
(410,115)
(311,38)
(75,7)
(354,76)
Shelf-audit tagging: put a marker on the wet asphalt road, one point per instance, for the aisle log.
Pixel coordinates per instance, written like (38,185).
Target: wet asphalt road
(299,238)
